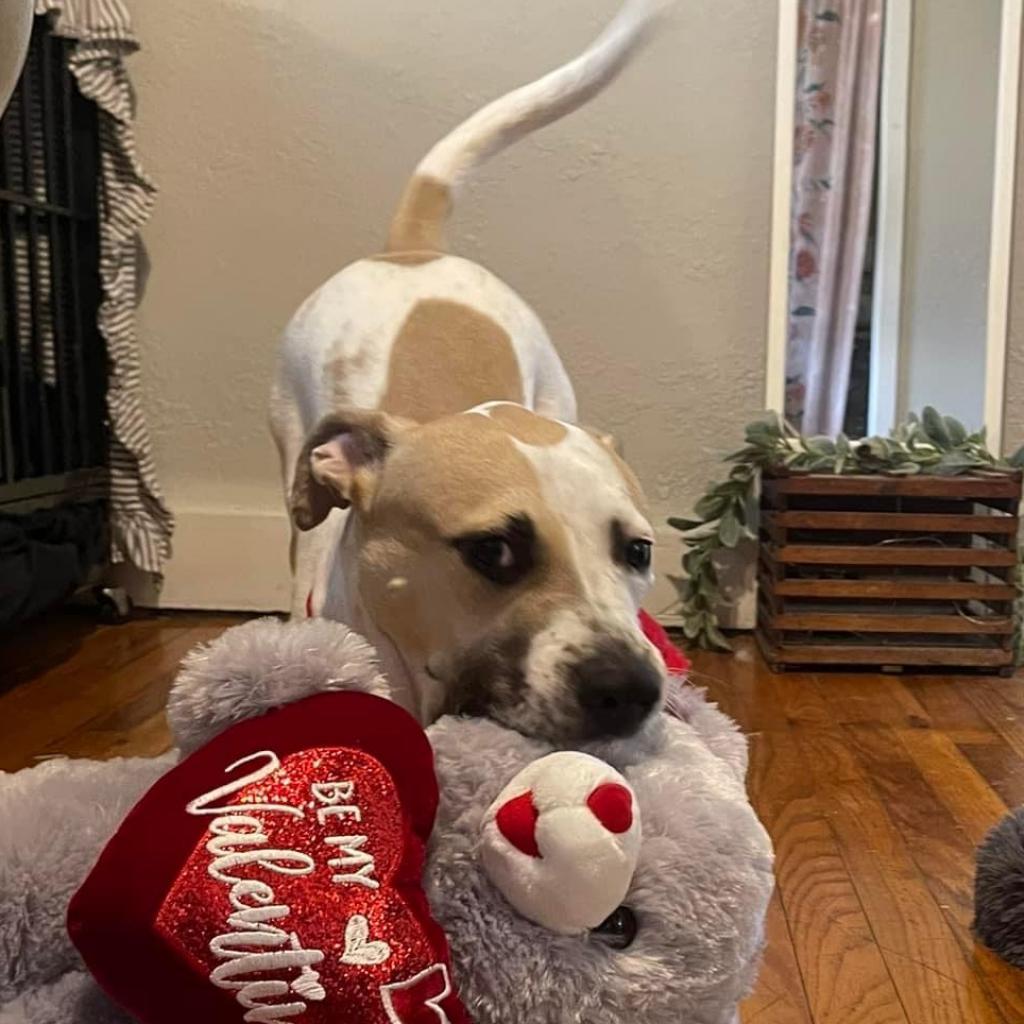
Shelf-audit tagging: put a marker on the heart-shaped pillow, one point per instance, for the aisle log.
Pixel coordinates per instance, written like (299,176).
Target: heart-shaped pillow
(274,875)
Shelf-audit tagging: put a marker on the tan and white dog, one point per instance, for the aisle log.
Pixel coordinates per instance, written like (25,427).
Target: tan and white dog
(443,502)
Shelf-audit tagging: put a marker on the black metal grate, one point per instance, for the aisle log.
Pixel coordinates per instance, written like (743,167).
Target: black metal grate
(53,363)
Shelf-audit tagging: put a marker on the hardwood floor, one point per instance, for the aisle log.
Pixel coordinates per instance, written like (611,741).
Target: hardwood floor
(875,789)
(68,686)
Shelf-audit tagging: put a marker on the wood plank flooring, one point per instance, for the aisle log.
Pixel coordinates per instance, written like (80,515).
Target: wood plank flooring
(875,789)
(69,686)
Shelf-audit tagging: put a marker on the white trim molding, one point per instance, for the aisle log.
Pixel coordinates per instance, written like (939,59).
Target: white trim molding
(1001,242)
(890,218)
(782,188)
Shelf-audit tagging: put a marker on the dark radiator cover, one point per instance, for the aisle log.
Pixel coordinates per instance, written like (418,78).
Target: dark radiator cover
(53,366)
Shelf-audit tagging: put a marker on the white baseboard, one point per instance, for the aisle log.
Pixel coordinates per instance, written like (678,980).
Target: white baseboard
(227,560)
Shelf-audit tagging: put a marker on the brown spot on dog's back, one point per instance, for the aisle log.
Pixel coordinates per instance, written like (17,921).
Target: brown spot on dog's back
(528,427)
(407,259)
(419,221)
(448,357)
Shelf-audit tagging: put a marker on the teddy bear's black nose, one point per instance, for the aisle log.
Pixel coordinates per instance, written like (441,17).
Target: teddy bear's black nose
(617,689)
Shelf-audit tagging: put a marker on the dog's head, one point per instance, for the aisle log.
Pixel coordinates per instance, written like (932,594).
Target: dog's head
(504,554)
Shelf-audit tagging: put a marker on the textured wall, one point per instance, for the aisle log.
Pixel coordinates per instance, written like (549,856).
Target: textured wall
(281,134)
(15,27)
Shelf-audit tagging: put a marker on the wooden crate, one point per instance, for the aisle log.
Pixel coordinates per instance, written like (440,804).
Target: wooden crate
(888,572)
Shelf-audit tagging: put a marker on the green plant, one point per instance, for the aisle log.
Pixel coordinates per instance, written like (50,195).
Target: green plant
(929,443)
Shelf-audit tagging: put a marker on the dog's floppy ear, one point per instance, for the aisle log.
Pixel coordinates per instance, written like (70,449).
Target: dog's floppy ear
(340,461)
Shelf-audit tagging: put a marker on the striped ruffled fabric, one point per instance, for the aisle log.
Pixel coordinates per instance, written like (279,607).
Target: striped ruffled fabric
(141,523)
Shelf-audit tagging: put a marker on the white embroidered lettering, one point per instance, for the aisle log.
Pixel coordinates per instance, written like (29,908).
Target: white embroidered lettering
(333,792)
(272,860)
(253,994)
(338,811)
(256,918)
(271,764)
(250,888)
(353,857)
(253,943)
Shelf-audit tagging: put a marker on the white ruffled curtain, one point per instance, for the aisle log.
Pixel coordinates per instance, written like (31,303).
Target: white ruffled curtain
(141,523)
(834,147)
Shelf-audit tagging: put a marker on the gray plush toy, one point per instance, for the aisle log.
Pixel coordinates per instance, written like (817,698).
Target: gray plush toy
(688,876)
(999,889)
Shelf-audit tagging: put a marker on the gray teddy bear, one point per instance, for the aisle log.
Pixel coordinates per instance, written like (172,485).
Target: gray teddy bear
(999,889)
(682,947)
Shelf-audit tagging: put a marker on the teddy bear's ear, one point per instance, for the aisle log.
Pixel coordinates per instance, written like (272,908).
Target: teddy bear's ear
(264,664)
(562,840)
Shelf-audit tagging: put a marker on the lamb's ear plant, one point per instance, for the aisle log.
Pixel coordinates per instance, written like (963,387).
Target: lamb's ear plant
(725,514)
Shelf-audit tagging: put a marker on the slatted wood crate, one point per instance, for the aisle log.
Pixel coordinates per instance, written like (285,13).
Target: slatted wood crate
(888,572)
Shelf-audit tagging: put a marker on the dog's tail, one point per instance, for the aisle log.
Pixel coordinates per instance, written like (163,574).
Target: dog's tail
(419,222)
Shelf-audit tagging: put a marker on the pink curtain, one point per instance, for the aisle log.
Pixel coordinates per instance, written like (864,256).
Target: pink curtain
(838,71)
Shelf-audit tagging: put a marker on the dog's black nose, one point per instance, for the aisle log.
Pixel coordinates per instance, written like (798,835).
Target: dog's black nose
(616,689)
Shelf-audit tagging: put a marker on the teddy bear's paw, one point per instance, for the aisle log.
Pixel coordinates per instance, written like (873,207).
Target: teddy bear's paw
(561,841)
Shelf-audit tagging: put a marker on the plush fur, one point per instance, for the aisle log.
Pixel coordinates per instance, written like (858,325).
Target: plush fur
(261,665)
(999,889)
(699,892)
(56,819)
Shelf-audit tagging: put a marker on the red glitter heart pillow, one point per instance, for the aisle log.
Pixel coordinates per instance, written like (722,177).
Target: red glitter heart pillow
(274,875)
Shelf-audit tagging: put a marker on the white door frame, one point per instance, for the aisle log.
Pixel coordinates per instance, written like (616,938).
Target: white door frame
(782,187)
(892,173)
(1001,243)
(890,217)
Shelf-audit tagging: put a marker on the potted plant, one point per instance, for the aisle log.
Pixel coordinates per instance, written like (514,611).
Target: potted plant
(927,446)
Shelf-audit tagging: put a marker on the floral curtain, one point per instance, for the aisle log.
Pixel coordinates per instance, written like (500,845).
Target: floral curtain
(834,146)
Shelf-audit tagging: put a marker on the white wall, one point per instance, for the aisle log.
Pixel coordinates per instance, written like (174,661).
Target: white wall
(281,132)
(951,139)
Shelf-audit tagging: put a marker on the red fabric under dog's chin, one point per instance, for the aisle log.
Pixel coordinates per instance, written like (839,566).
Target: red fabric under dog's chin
(677,663)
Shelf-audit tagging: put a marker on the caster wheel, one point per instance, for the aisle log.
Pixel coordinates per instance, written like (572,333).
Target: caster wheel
(114,604)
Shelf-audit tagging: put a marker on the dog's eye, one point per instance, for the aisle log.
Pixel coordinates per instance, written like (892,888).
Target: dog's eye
(618,930)
(504,557)
(490,555)
(638,555)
